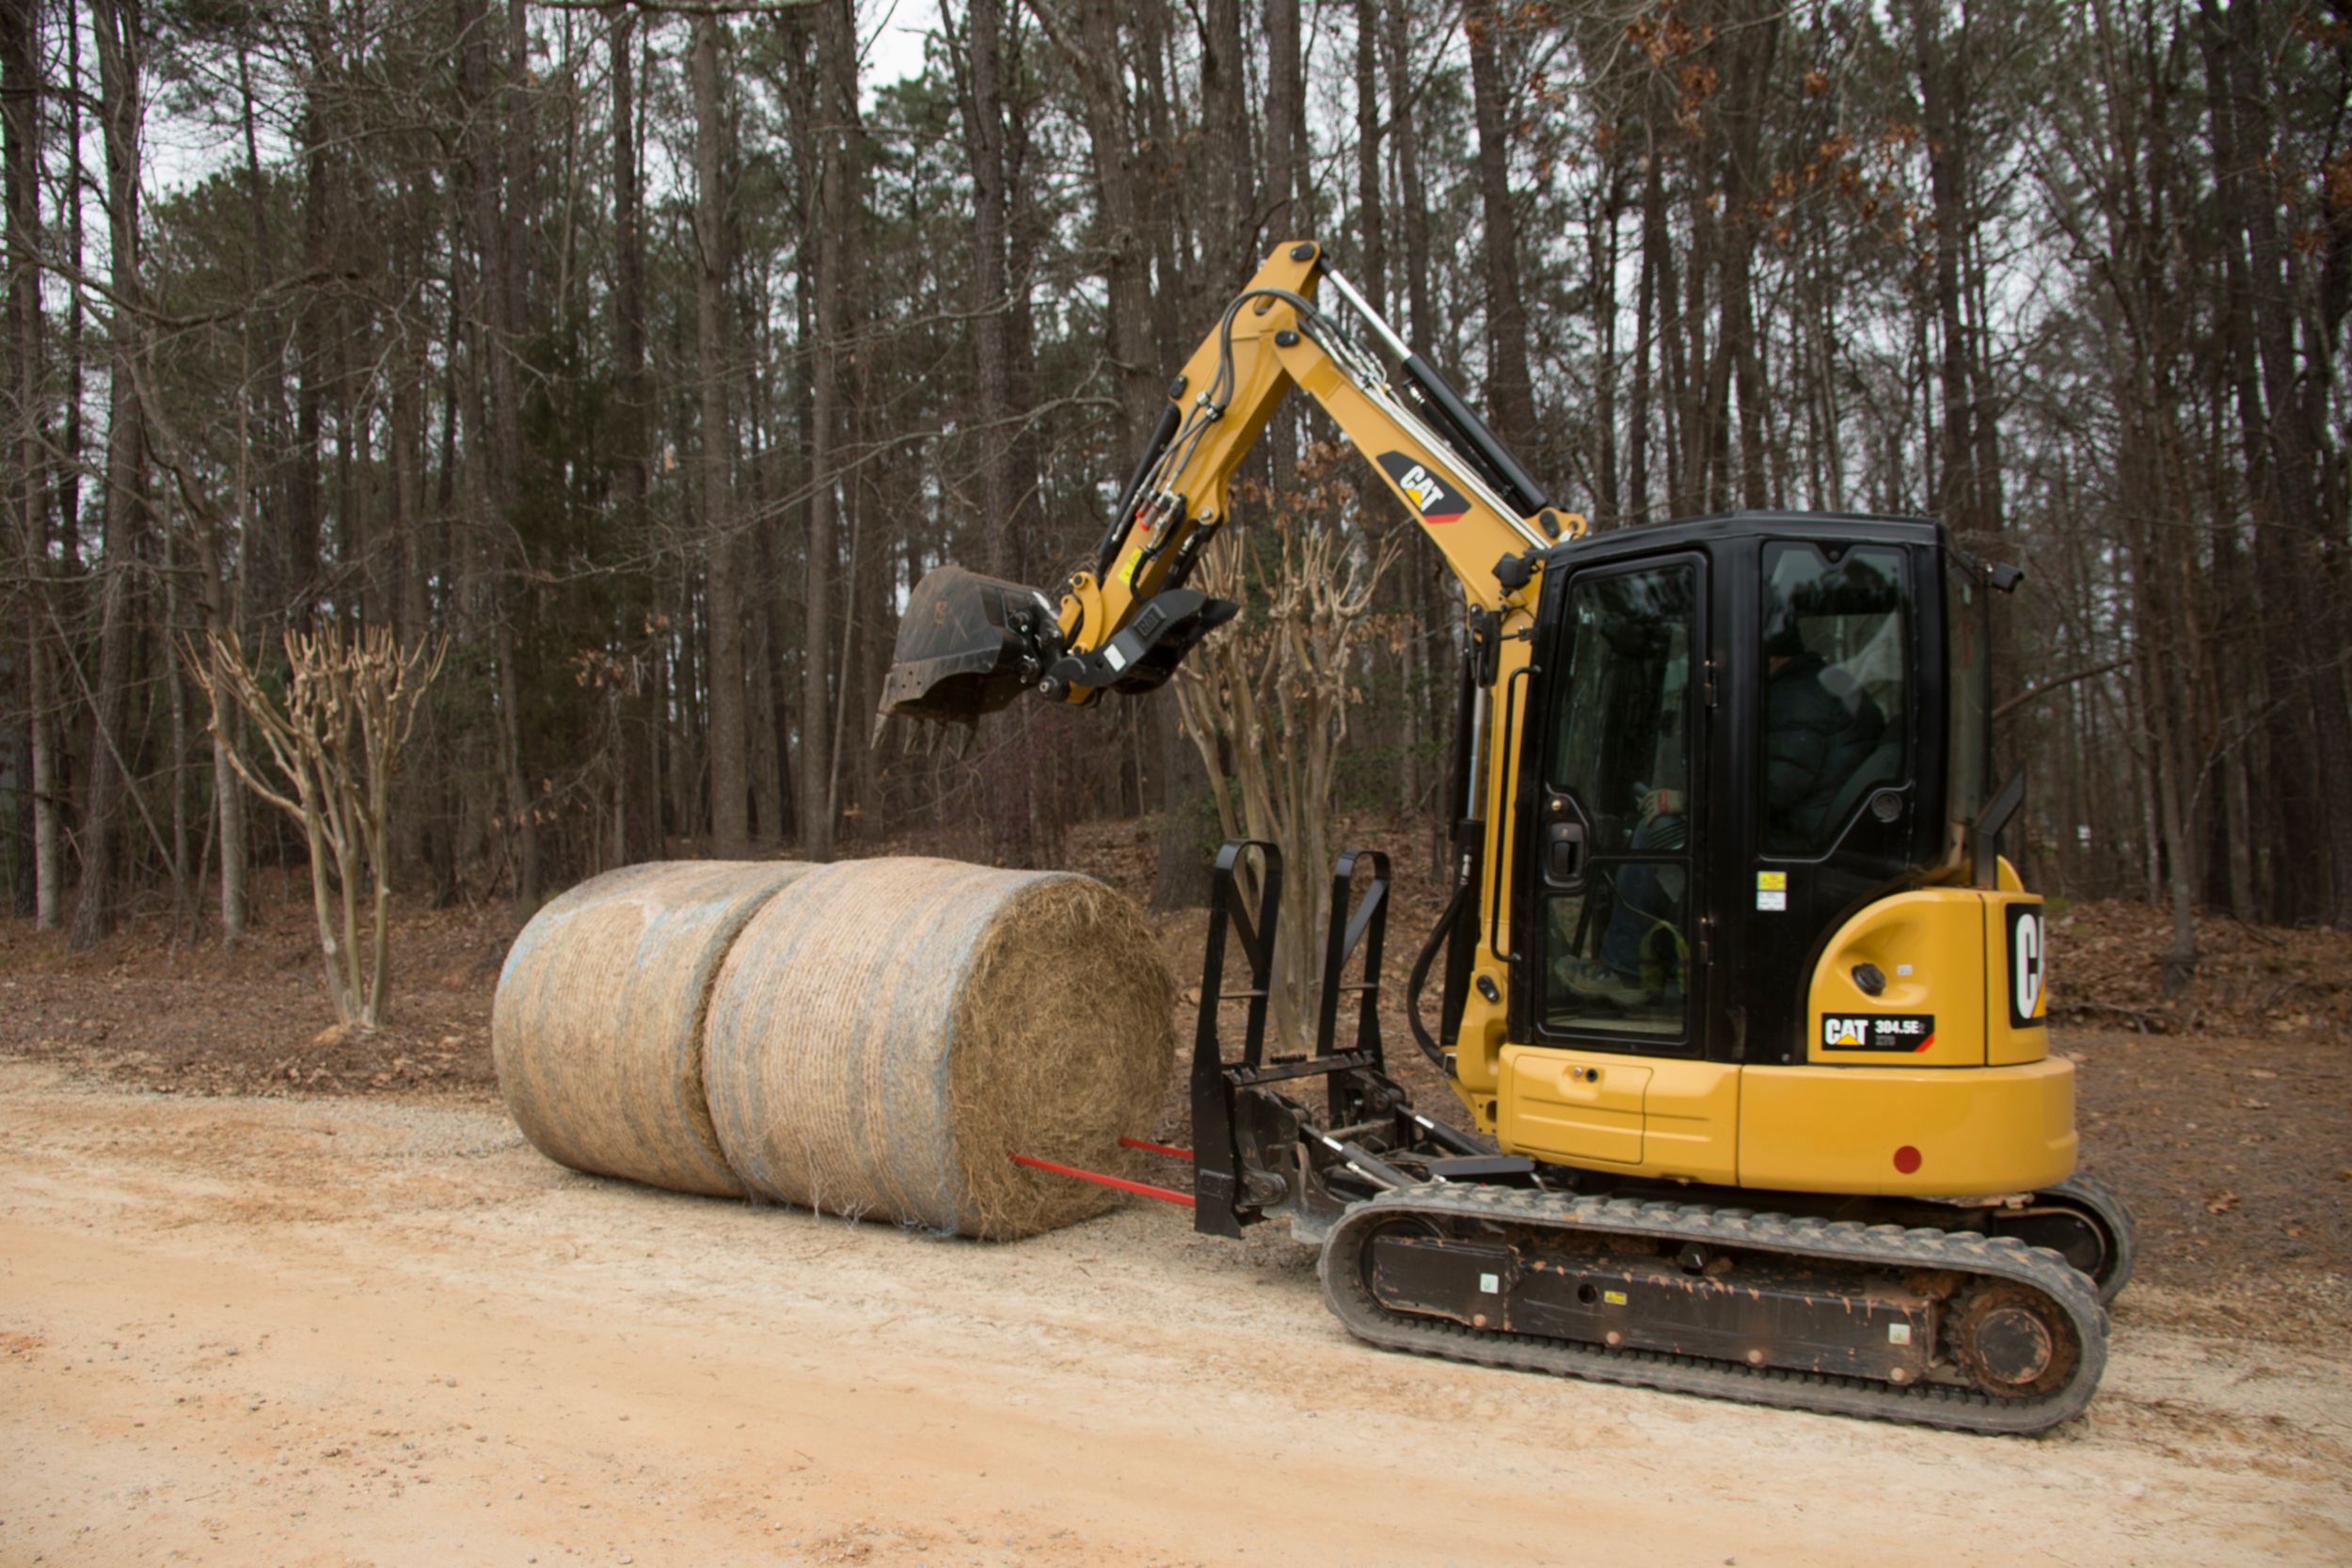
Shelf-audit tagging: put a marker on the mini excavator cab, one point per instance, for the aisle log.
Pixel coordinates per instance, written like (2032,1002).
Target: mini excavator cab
(1749,939)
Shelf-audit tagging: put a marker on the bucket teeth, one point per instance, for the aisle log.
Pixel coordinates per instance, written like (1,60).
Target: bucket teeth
(967,645)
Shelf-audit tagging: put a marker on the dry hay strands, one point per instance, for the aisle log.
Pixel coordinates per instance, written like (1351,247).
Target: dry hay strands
(597,1027)
(885,1034)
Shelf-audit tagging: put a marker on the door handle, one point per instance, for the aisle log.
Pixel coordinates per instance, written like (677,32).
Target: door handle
(1564,854)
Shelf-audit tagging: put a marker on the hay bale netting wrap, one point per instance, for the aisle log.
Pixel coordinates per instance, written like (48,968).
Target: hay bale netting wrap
(596,1030)
(886,1033)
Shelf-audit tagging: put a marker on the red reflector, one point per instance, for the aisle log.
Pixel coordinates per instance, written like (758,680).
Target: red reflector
(1906,1159)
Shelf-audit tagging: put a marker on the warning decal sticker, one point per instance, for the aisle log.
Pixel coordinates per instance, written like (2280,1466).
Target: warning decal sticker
(1432,497)
(1905,1033)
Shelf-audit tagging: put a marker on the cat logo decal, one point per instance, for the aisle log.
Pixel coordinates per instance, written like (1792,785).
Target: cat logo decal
(1432,497)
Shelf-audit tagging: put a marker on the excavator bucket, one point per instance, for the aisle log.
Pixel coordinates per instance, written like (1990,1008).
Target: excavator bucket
(967,645)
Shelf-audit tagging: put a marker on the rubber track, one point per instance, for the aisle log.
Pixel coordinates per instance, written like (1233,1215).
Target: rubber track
(1886,1247)
(2100,1199)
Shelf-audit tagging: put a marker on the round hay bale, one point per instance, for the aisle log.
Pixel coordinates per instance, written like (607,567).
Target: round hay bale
(597,1029)
(885,1033)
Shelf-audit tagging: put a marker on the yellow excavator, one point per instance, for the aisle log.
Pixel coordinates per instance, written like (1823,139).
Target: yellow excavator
(1745,1012)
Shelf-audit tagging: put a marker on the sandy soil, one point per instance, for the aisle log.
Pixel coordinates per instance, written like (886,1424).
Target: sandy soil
(239,1330)
(274,1294)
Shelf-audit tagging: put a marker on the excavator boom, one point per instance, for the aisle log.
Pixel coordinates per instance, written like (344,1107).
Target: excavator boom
(968,644)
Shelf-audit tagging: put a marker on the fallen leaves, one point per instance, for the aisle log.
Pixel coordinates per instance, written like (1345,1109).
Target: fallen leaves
(2107,968)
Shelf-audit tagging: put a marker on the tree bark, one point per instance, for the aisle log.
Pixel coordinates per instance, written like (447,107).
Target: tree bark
(1431,605)
(1744,130)
(121,36)
(27,498)
(1942,79)
(730,784)
(498,461)
(1412,220)
(1120,201)
(1289,211)
(982,104)
(1371,218)
(1510,394)
(641,814)
(1230,231)
(829,111)
(1644,338)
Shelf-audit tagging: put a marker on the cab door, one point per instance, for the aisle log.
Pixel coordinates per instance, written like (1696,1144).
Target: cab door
(1618,789)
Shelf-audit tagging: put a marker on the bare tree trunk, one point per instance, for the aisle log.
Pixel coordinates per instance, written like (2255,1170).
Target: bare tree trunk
(1025,226)
(1678,342)
(1398,56)
(1435,694)
(176,702)
(1289,213)
(265,504)
(1509,391)
(982,103)
(1007,479)
(640,819)
(119,33)
(1601,251)
(26,496)
(730,828)
(1229,234)
(303,490)
(219,621)
(1644,338)
(440,839)
(517,154)
(1941,79)
(1126,273)
(829,110)
(1744,117)
(496,462)
(411,588)
(1371,218)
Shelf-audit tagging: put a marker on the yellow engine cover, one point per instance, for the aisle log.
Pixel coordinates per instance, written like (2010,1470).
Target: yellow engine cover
(1889,1131)
(1960,971)
(1931,1078)
(1920,1132)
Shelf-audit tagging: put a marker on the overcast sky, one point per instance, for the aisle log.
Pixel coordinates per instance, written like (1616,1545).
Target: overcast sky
(179,153)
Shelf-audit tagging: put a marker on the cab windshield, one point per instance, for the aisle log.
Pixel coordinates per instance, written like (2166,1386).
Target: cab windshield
(1836,699)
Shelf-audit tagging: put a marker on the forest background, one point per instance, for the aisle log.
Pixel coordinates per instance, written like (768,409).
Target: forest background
(650,352)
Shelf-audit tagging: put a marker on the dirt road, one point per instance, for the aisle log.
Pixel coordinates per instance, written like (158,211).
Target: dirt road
(387,1331)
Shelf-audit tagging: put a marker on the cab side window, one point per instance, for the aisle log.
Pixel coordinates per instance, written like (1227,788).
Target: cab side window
(1616,941)
(1836,697)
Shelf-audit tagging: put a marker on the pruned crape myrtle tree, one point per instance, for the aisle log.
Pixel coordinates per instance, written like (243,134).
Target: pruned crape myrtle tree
(335,728)
(1266,703)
